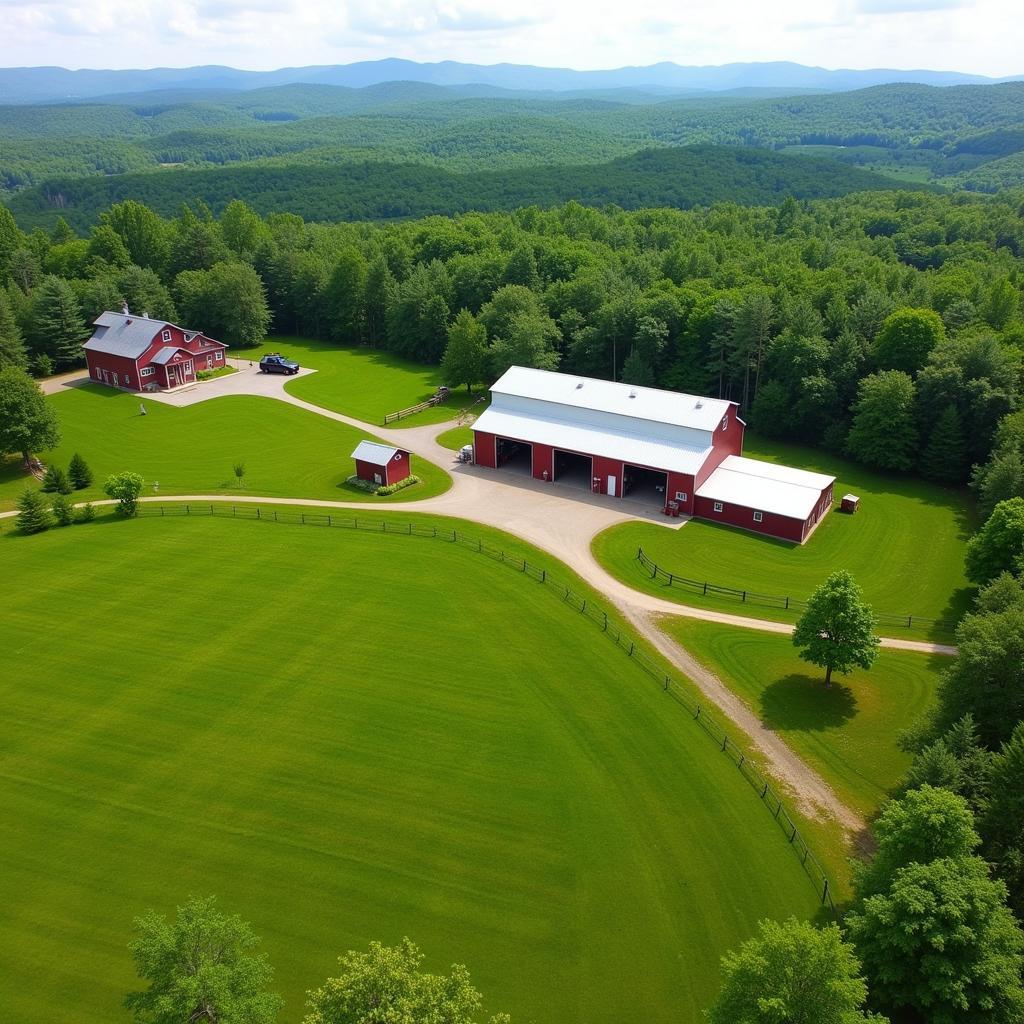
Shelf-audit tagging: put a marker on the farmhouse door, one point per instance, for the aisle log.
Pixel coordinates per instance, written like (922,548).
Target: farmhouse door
(612,484)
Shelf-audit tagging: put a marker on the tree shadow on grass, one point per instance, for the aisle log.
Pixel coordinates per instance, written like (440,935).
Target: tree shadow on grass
(801,702)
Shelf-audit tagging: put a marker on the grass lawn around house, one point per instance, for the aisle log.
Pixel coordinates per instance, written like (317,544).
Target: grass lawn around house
(544,818)
(287,451)
(365,383)
(905,547)
(847,733)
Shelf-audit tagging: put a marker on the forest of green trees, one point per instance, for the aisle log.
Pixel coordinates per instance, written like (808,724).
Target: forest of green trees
(952,133)
(888,325)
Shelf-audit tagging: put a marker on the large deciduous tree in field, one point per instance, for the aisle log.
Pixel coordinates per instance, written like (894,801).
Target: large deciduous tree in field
(999,545)
(837,629)
(465,358)
(884,431)
(793,973)
(27,423)
(226,302)
(200,969)
(386,986)
(907,338)
(57,326)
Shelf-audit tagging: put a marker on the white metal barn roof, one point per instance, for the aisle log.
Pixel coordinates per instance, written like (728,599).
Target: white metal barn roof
(765,487)
(609,396)
(589,440)
(374,453)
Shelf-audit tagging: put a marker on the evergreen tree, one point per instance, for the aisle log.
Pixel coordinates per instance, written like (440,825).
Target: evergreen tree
(636,370)
(55,481)
(751,333)
(62,232)
(465,357)
(79,473)
(33,515)
(12,348)
(58,328)
(945,458)
(956,762)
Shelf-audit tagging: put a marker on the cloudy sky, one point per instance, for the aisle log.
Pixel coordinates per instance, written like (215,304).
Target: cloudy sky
(981,36)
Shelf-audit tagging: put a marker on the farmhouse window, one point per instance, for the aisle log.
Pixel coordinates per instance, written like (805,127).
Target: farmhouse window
(681,496)
(758,517)
(718,506)
(166,335)
(147,371)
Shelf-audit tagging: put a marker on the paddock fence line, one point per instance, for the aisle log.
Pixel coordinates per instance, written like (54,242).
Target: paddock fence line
(704,587)
(585,606)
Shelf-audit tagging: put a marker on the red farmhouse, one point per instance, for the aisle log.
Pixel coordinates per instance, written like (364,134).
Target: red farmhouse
(140,354)
(381,463)
(681,451)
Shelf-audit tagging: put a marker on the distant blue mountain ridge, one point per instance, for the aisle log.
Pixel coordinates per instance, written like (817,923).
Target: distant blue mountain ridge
(54,84)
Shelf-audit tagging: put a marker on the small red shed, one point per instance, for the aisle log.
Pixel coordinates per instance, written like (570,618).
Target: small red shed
(381,463)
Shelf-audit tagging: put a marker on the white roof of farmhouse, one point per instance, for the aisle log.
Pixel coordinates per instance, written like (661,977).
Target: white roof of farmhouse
(765,487)
(611,397)
(374,453)
(611,444)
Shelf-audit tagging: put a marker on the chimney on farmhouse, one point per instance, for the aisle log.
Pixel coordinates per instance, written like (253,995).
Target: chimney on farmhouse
(124,307)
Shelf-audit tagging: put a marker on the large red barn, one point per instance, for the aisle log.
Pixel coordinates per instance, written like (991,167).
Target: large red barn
(682,451)
(137,353)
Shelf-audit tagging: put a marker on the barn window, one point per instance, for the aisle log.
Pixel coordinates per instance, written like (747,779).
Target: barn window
(725,422)
(127,379)
(758,516)
(718,506)
(166,335)
(189,337)
(147,371)
(681,496)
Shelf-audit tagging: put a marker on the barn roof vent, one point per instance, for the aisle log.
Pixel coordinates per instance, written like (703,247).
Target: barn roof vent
(632,394)
(700,405)
(578,386)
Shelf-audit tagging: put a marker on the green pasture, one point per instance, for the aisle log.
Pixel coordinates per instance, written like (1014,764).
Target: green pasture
(848,732)
(905,547)
(349,736)
(287,451)
(456,438)
(365,383)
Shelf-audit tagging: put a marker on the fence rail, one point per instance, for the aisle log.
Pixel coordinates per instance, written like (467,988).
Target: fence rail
(589,609)
(673,579)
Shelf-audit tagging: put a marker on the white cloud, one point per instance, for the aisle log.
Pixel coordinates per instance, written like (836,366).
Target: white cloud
(967,35)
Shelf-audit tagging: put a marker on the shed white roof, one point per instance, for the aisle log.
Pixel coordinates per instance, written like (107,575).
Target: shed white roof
(577,437)
(765,487)
(374,453)
(609,396)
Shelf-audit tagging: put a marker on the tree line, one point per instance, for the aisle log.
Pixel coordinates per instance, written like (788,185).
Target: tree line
(887,326)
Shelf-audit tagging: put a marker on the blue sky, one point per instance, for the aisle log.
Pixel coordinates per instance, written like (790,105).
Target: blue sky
(981,36)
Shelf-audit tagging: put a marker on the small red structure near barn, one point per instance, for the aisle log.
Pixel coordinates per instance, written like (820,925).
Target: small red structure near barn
(381,463)
(137,353)
(682,452)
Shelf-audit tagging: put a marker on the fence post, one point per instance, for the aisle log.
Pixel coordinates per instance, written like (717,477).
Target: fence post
(330,522)
(697,716)
(584,608)
(631,648)
(524,565)
(667,681)
(303,514)
(544,577)
(234,512)
(743,758)
(275,515)
(744,596)
(725,742)
(824,892)
(705,588)
(910,619)
(188,511)
(787,604)
(605,621)
(479,546)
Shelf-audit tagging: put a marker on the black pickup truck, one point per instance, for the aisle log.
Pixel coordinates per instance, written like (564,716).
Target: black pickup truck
(276,363)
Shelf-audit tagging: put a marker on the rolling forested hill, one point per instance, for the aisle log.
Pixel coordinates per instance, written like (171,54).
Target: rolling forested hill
(914,132)
(682,177)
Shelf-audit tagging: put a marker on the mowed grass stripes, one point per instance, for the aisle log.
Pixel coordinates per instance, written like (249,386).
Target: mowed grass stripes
(355,736)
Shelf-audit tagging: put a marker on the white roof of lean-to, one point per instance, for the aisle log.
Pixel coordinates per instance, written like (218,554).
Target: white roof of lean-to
(609,396)
(765,487)
(374,453)
(578,437)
